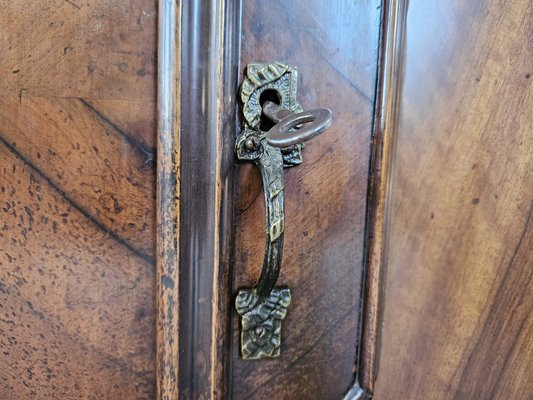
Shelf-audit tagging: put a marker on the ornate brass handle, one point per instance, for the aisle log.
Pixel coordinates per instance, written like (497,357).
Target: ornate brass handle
(263,307)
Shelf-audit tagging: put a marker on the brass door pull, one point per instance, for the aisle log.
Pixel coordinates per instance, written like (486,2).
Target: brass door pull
(268,94)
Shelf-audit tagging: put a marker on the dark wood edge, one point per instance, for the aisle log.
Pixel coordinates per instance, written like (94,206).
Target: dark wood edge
(168,108)
(228,122)
(394,13)
(199,43)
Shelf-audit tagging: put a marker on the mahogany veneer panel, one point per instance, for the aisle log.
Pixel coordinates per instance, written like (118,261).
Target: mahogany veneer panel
(77,194)
(458,299)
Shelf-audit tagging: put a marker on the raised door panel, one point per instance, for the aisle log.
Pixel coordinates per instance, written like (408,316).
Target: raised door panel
(335,49)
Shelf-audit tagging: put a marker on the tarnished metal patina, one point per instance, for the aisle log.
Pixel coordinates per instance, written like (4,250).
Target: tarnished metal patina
(269,90)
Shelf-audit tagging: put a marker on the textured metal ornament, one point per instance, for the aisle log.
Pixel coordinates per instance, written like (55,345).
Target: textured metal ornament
(260,77)
(261,322)
(263,307)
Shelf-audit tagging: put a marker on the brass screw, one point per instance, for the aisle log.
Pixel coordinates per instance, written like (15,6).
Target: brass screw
(251,144)
(259,331)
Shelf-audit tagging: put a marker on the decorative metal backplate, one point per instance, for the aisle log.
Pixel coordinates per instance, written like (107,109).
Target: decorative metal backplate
(261,322)
(260,77)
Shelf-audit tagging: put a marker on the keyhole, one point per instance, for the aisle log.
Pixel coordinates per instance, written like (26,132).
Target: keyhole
(268,95)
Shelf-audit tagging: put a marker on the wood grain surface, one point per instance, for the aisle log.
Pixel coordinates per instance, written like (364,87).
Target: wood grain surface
(77,190)
(458,298)
(168,202)
(325,197)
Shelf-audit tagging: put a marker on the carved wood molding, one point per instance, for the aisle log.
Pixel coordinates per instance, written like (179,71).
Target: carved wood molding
(198,72)
(379,192)
(168,218)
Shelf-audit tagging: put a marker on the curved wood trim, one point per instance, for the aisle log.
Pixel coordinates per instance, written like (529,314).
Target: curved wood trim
(168,219)
(357,393)
(379,192)
(198,69)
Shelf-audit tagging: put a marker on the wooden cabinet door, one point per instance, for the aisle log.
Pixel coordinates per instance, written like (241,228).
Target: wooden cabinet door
(452,81)
(219,218)
(128,225)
